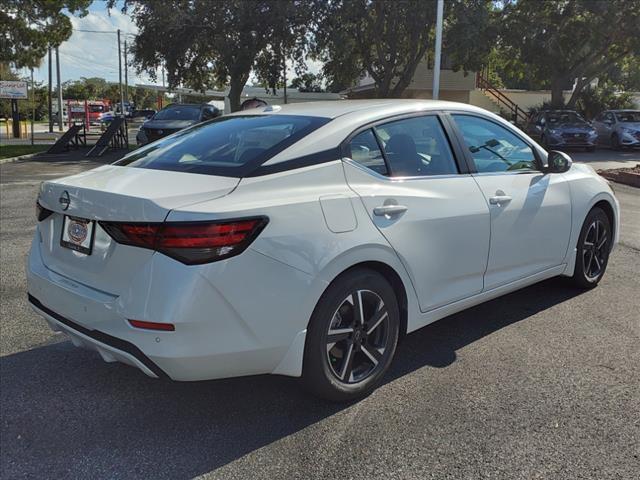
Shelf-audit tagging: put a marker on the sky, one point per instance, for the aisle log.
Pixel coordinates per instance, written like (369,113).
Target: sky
(95,53)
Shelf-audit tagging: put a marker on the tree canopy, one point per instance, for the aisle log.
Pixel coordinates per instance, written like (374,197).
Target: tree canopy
(557,41)
(387,40)
(203,47)
(29,27)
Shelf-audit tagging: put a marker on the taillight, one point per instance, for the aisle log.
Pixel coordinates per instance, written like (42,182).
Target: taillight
(190,242)
(41,212)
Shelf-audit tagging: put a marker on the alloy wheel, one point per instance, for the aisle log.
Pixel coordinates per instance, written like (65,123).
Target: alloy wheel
(358,337)
(594,250)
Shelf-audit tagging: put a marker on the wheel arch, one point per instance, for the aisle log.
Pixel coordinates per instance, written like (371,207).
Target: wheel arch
(394,279)
(606,206)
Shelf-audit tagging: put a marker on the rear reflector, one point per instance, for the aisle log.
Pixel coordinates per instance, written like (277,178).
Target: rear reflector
(190,242)
(165,327)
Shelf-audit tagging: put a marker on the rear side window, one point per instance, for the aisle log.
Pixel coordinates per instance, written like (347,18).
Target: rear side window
(493,147)
(366,151)
(227,146)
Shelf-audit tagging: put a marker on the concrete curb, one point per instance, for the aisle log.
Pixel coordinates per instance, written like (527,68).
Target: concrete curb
(20,157)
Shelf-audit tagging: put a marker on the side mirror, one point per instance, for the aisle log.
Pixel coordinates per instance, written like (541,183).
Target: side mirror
(558,162)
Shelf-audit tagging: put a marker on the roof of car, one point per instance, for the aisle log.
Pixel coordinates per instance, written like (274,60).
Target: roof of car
(338,108)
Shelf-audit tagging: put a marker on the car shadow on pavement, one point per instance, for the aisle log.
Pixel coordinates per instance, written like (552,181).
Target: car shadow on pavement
(66,414)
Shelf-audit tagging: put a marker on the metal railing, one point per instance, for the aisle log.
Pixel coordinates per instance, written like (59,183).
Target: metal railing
(517,114)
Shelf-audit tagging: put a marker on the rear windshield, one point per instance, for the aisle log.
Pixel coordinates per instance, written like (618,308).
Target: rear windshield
(182,112)
(228,146)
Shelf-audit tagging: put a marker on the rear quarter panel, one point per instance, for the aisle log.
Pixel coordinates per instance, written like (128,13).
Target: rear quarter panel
(300,234)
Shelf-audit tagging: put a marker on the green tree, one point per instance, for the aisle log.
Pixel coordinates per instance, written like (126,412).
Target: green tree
(29,27)
(388,39)
(562,40)
(307,82)
(204,45)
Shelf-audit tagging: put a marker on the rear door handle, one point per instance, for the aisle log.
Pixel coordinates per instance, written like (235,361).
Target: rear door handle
(499,200)
(389,210)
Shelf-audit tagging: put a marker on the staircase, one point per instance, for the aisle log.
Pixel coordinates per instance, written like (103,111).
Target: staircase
(516,114)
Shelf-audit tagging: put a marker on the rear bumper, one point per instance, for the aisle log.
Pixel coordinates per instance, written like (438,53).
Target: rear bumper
(110,348)
(220,331)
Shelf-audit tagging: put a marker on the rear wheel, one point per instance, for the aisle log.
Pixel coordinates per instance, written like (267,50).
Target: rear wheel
(594,245)
(352,336)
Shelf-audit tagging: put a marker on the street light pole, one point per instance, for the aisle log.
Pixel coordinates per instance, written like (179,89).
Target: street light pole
(436,63)
(59,91)
(33,105)
(120,76)
(49,102)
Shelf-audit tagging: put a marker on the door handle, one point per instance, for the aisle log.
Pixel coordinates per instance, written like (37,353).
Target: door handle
(499,200)
(389,210)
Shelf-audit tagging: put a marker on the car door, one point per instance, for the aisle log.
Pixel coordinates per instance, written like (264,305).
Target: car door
(425,203)
(530,210)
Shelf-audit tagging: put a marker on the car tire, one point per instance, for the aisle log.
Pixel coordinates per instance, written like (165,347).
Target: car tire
(353,365)
(592,252)
(615,142)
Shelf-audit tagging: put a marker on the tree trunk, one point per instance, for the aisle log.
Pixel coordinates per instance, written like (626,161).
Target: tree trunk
(235,92)
(557,96)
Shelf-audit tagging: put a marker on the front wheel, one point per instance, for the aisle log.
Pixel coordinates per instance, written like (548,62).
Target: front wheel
(594,245)
(352,336)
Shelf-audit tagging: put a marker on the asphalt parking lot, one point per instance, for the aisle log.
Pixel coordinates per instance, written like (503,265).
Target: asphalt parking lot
(542,383)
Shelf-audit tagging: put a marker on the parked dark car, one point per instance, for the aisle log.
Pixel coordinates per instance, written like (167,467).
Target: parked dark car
(562,128)
(174,118)
(618,128)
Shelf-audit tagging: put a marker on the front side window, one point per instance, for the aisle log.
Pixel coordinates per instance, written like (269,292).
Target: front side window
(366,151)
(416,147)
(229,146)
(493,147)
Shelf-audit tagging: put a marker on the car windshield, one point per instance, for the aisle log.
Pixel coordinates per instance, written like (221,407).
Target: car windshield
(228,146)
(179,112)
(564,117)
(628,117)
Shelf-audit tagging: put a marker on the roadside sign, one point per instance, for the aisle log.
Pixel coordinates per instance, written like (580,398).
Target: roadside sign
(13,89)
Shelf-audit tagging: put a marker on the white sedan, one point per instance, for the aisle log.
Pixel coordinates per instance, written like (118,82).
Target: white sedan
(307,239)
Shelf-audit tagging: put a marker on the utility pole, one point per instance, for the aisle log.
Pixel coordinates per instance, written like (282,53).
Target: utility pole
(126,74)
(436,64)
(59,90)
(49,94)
(120,76)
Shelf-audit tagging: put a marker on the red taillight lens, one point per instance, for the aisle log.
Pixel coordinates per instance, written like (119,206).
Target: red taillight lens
(41,212)
(190,242)
(165,327)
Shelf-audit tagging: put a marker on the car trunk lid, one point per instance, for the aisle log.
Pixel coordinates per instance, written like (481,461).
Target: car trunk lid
(115,194)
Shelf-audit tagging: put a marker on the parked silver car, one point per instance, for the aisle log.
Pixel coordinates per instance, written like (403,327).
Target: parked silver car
(618,128)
